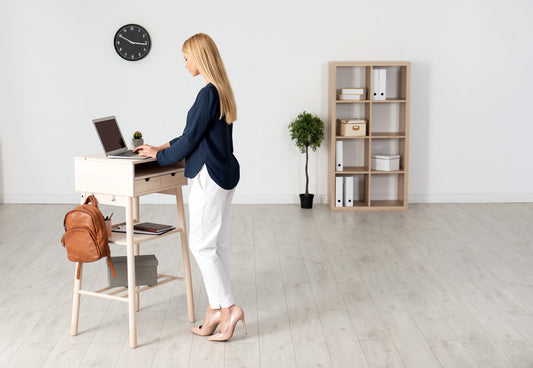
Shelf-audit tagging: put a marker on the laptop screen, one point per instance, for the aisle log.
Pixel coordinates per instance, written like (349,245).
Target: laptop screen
(110,134)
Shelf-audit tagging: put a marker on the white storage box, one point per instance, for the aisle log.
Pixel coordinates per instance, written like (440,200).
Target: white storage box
(351,127)
(383,162)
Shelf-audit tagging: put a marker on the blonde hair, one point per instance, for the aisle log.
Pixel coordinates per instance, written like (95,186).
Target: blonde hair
(209,63)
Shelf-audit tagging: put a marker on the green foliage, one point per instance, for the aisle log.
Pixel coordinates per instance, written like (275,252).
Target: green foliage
(307,131)
(137,135)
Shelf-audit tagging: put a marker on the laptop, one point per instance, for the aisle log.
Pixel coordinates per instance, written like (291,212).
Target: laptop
(112,140)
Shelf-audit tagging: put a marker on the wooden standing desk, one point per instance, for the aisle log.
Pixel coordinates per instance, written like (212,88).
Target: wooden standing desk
(120,182)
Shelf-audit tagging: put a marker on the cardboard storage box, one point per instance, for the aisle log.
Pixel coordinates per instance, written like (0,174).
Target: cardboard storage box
(383,162)
(351,127)
(145,271)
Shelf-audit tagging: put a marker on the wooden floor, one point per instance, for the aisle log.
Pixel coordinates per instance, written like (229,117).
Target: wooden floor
(439,285)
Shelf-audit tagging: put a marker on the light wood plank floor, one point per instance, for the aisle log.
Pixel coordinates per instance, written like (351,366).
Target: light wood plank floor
(439,285)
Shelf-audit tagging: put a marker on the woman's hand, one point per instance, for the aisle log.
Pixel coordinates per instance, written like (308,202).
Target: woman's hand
(146,150)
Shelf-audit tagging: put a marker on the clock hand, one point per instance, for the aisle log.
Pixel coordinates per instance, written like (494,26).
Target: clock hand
(138,43)
(121,36)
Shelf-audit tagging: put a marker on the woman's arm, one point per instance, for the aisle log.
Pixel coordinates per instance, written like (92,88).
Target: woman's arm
(163,146)
(204,110)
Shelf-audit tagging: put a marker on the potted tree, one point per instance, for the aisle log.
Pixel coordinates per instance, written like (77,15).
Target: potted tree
(307,131)
(137,139)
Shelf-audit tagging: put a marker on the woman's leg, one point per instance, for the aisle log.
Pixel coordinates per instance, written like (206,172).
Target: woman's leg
(209,237)
(224,235)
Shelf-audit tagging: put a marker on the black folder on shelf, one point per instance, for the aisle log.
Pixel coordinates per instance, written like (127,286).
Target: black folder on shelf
(146,228)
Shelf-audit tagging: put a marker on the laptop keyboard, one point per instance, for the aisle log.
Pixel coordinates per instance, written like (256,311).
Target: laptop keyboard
(128,154)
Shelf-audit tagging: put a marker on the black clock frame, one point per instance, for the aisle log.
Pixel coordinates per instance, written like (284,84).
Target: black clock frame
(131,47)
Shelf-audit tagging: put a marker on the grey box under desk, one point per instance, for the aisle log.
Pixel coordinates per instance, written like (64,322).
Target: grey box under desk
(145,271)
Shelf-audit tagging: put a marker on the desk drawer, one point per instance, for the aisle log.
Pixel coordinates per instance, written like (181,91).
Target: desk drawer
(172,179)
(148,184)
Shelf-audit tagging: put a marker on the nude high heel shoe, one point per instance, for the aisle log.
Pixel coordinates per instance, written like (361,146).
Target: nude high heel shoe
(210,324)
(237,314)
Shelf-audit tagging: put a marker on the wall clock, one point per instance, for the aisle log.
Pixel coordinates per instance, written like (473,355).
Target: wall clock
(132,42)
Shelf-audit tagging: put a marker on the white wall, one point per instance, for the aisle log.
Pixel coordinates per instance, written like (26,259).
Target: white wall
(472,71)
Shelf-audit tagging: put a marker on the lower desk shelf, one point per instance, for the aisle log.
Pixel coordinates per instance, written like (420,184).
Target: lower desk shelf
(112,293)
(120,238)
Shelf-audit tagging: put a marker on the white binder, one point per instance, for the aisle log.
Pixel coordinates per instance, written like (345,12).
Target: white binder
(339,183)
(339,164)
(375,84)
(379,84)
(382,84)
(348,191)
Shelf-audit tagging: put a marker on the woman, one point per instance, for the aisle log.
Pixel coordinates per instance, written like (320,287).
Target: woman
(207,146)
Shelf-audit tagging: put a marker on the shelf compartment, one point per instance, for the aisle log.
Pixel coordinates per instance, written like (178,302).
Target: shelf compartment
(389,146)
(387,189)
(396,82)
(352,77)
(361,185)
(353,111)
(150,169)
(387,118)
(355,155)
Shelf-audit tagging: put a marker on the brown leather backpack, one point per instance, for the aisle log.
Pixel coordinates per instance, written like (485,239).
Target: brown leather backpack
(85,235)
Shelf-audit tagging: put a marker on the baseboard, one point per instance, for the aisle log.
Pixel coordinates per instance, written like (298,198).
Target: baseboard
(160,199)
(471,198)
(284,199)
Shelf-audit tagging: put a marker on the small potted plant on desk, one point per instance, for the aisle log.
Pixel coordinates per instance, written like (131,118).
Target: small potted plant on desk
(137,139)
(307,131)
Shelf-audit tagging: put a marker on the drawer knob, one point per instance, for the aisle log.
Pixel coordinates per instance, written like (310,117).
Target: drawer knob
(147,179)
(172,174)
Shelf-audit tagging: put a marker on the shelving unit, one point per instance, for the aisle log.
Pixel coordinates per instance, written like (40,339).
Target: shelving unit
(387,132)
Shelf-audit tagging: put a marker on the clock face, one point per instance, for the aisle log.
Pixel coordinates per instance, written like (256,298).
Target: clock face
(132,42)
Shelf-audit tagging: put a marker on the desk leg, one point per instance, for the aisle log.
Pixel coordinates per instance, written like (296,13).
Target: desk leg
(136,209)
(131,273)
(185,252)
(136,218)
(76,300)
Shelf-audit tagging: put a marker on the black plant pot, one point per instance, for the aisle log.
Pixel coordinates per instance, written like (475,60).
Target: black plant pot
(306,200)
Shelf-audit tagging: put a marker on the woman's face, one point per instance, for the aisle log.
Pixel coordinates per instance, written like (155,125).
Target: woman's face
(190,65)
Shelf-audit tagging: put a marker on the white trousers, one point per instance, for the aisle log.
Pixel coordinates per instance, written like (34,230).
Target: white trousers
(209,236)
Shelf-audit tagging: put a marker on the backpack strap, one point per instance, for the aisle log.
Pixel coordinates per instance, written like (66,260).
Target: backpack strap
(111,267)
(91,199)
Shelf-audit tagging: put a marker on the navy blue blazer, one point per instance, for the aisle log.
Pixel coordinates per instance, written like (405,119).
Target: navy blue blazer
(206,139)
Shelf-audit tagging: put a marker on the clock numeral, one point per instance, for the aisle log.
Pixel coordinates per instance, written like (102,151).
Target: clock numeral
(131,28)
